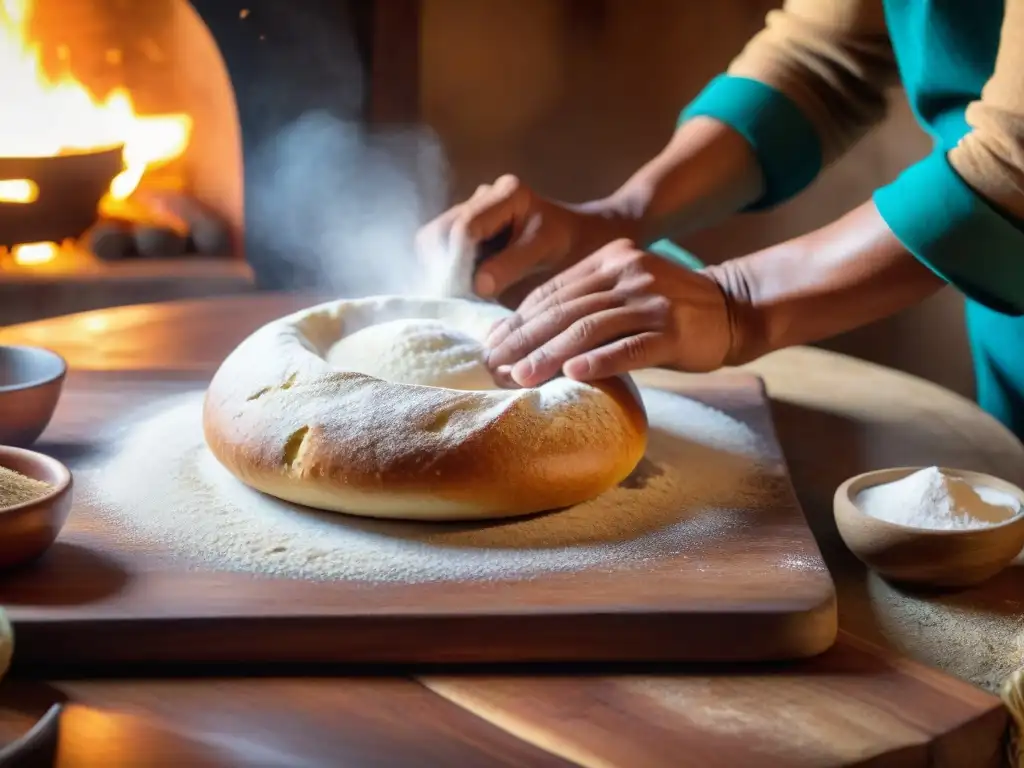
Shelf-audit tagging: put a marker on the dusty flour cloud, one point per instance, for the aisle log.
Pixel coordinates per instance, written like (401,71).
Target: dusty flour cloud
(339,206)
(331,205)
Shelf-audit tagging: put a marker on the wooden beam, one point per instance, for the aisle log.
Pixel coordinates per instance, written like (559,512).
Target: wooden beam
(395,62)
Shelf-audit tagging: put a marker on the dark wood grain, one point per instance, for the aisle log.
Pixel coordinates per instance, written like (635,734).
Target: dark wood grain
(266,722)
(855,705)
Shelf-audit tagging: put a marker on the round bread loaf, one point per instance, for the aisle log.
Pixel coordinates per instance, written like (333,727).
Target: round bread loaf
(384,407)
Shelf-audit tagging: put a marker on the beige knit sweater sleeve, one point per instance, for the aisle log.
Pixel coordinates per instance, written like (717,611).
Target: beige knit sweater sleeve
(991,157)
(834,60)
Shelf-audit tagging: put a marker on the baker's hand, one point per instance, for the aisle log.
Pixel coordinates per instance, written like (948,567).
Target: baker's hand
(618,310)
(546,236)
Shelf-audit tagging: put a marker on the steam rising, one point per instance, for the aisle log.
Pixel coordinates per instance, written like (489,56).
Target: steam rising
(339,207)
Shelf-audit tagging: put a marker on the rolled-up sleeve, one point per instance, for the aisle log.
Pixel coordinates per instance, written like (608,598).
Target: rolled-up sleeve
(804,89)
(961,213)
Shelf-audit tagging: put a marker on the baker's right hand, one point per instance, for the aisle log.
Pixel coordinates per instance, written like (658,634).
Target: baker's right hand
(547,236)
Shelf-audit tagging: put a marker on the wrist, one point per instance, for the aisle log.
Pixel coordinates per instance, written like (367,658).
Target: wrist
(847,274)
(748,336)
(639,215)
(606,220)
(706,173)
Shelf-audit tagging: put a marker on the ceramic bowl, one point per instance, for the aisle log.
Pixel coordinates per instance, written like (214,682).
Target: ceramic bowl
(31,379)
(926,557)
(27,530)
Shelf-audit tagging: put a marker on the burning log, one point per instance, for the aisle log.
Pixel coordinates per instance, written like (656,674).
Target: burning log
(209,234)
(111,240)
(157,232)
(160,242)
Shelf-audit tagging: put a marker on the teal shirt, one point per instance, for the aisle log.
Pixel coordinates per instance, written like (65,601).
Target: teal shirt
(945,51)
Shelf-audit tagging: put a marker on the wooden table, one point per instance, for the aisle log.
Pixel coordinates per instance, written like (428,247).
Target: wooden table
(858,704)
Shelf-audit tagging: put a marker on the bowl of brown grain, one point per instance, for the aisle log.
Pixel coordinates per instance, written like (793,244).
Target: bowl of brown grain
(35,500)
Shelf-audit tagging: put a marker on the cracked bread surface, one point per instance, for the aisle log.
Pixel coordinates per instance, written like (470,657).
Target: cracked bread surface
(285,417)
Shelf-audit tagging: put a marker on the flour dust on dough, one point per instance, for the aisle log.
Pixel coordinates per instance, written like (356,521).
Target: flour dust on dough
(421,351)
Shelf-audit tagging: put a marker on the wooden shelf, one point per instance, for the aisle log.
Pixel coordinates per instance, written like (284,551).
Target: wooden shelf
(130,270)
(35,293)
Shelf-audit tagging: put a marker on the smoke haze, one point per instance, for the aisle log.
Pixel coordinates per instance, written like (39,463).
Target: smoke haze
(339,207)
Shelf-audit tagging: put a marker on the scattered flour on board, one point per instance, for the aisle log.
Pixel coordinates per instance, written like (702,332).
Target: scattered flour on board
(704,471)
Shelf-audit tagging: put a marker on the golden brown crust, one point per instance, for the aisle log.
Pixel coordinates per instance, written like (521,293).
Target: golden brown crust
(286,423)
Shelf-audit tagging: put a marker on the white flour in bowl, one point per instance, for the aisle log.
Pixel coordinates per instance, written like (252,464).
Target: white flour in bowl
(162,488)
(929,498)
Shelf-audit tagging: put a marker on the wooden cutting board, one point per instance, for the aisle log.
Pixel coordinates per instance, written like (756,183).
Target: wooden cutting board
(755,589)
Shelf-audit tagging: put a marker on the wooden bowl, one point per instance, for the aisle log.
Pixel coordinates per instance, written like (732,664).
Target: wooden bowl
(27,530)
(923,556)
(31,379)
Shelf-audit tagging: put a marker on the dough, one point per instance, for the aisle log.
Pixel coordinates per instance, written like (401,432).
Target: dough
(383,407)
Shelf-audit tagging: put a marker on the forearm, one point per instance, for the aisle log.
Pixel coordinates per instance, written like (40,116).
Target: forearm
(801,92)
(845,275)
(705,173)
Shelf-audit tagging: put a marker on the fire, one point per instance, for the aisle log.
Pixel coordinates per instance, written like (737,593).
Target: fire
(47,116)
(19,191)
(29,254)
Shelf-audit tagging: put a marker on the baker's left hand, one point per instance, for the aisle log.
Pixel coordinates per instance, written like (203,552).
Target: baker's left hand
(618,310)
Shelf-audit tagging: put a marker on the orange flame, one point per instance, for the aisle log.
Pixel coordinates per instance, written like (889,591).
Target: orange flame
(49,116)
(30,254)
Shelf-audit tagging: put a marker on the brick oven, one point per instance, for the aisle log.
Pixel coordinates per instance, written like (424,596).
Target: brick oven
(133,149)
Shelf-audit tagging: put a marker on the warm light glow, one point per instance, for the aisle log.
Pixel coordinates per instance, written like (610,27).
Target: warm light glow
(18,191)
(46,116)
(94,323)
(31,254)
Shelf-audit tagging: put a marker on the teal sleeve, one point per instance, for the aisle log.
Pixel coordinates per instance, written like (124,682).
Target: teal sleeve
(785,142)
(667,249)
(956,233)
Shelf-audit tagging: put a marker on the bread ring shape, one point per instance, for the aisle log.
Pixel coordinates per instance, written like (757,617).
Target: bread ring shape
(288,416)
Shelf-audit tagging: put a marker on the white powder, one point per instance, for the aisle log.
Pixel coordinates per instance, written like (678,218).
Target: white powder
(449,266)
(704,474)
(414,351)
(930,498)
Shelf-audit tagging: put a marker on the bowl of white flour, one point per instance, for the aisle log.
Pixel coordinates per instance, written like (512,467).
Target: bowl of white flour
(931,526)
